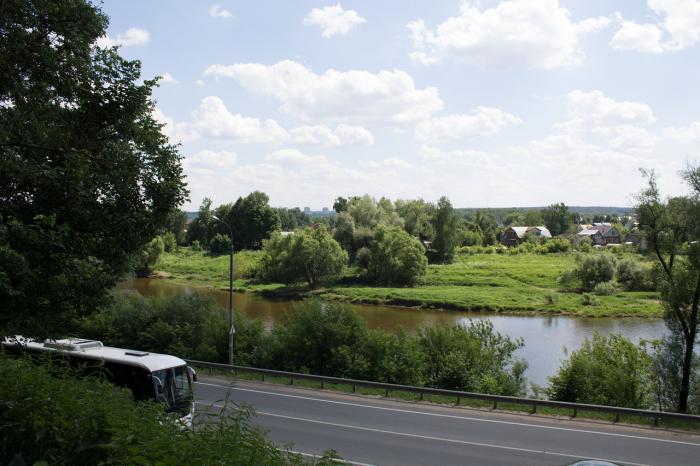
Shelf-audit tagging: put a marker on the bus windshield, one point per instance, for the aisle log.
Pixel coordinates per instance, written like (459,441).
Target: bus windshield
(173,388)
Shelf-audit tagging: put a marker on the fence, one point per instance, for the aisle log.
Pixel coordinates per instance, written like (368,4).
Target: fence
(656,416)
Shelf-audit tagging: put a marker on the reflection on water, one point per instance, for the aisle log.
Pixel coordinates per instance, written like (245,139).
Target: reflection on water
(545,336)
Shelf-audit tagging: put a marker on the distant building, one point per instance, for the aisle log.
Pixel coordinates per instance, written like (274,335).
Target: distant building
(513,236)
(324,210)
(307,210)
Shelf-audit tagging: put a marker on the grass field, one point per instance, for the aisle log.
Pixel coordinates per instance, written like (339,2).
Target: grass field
(491,282)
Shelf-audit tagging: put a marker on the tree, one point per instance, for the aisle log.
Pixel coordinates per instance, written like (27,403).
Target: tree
(201,229)
(417,216)
(447,234)
(396,258)
(310,254)
(672,229)
(607,371)
(556,218)
(252,220)
(176,223)
(340,205)
(86,176)
(291,219)
(532,218)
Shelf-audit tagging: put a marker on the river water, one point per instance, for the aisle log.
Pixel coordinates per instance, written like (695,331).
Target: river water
(545,336)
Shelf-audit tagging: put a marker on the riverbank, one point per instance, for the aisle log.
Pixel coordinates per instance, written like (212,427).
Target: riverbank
(524,283)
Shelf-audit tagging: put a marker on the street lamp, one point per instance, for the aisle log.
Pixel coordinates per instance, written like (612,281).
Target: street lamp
(231,327)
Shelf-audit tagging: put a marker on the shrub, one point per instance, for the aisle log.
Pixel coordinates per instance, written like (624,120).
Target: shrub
(310,255)
(605,370)
(51,417)
(551,298)
(397,258)
(604,289)
(196,246)
(220,244)
(635,276)
(148,256)
(590,270)
(169,241)
(588,300)
(557,245)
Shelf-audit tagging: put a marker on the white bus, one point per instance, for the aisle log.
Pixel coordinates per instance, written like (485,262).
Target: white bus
(149,376)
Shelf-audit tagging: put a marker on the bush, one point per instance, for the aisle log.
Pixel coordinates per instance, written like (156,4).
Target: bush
(635,276)
(191,327)
(397,259)
(606,371)
(551,298)
(589,300)
(557,245)
(590,270)
(605,289)
(51,417)
(310,255)
(148,256)
(220,244)
(169,241)
(196,246)
(472,358)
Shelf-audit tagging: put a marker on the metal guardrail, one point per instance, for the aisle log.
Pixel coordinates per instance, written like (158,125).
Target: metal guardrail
(656,416)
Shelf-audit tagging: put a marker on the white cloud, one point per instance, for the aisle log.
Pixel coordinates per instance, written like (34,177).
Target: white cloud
(199,82)
(677,28)
(639,37)
(323,135)
(176,132)
(484,121)
(132,36)
(392,162)
(618,125)
(217,12)
(460,155)
(684,134)
(168,78)
(387,96)
(213,119)
(210,162)
(515,33)
(295,156)
(596,108)
(333,20)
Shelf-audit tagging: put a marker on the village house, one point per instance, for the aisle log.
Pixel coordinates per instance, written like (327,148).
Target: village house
(601,234)
(513,236)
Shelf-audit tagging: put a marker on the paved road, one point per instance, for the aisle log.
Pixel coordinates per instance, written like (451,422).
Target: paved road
(374,431)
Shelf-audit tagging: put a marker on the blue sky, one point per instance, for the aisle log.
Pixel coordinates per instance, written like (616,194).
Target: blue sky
(492,103)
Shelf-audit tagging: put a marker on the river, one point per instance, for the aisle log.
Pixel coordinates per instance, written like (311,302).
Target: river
(545,336)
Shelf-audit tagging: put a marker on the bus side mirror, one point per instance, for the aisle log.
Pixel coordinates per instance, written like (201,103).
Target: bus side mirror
(193,373)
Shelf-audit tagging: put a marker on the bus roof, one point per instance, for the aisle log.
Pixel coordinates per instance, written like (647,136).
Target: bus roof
(95,350)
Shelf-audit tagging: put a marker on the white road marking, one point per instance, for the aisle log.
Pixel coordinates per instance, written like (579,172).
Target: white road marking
(335,460)
(453,416)
(439,439)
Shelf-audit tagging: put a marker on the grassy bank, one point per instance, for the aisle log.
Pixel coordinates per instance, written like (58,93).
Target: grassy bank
(490,282)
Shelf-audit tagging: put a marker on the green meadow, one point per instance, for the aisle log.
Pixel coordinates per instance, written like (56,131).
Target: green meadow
(523,283)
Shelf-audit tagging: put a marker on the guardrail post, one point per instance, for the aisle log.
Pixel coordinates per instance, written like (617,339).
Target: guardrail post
(574,413)
(387,392)
(291,380)
(617,417)
(263,376)
(422,396)
(457,401)
(354,387)
(495,404)
(656,421)
(323,384)
(209,370)
(534,409)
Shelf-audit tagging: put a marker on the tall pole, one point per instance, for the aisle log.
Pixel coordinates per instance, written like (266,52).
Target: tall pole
(231,327)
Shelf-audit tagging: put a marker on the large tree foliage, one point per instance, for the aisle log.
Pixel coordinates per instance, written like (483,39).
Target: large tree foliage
(447,231)
(396,258)
(86,176)
(252,220)
(610,371)
(556,218)
(672,229)
(310,255)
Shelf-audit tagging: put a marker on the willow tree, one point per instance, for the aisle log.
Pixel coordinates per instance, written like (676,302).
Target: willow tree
(86,176)
(672,229)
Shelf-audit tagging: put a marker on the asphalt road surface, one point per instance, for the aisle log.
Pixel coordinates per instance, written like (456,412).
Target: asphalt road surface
(371,431)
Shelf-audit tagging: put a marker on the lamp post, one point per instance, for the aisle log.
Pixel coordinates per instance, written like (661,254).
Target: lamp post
(231,327)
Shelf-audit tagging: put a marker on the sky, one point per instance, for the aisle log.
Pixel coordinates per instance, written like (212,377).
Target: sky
(493,103)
